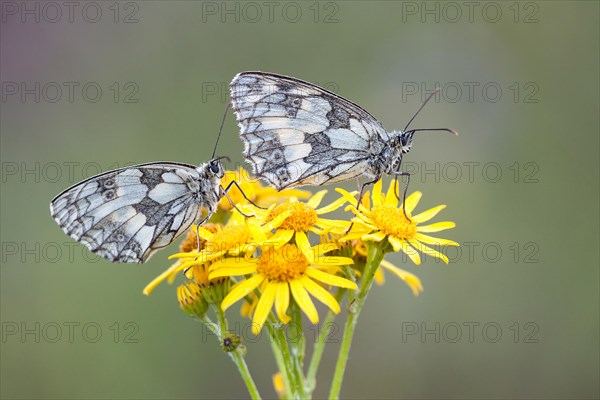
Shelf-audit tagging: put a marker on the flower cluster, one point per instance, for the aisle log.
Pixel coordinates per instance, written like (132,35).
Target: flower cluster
(275,252)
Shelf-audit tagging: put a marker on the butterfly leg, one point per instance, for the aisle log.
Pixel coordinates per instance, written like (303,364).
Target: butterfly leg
(362,189)
(407,174)
(201,222)
(360,196)
(231,201)
(243,194)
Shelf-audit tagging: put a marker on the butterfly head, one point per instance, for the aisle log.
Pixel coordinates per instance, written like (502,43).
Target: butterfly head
(400,144)
(215,168)
(405,140)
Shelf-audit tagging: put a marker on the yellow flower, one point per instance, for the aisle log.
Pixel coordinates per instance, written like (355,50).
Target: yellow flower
(260,195)
(279,271)
(189,246)
(359,254)
(413,282)
(385,220)
(294,219)
(248,306)
(215,241)
(238,236)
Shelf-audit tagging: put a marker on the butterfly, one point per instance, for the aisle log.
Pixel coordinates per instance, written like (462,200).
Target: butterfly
(127,214)
(296,133)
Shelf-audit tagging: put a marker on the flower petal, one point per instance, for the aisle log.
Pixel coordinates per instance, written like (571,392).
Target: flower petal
(412,201)
(351,236)
(377,197)
(164,275)
(232,271)
(351,200)
(304,301)
(320,294)
(427,250)
(232,262)
(329,260)
(330,279)
(277,221)
(391,197)
(411,280)
(335,205)
(401,244)
(379,277)
(316,199)
(324,248)
(438,226)
(304,245)
(332,224)
(192,254)
(263,308)
(281,237)
(241,289)
(374,237)
(282,301)
(203,232)
(316,230)
(434,241)
(256,230)
(427,215)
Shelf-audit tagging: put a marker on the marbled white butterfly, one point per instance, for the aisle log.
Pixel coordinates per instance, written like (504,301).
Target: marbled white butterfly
(296,133)
(127,214)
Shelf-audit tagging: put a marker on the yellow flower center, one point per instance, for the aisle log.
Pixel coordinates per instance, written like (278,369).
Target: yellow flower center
(229,238)
(391,221)
(302,219)
(283,264)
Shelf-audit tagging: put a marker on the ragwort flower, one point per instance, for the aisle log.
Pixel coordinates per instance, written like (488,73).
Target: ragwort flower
(279,271)
(386,220)
(294,219)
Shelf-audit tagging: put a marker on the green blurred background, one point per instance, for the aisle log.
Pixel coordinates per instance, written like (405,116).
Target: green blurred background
(519,82)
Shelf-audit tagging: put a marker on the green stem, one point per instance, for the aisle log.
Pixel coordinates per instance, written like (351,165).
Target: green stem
(311,376)
(297,347)
(282,357)
(239,360)
(374,257)
(236,355)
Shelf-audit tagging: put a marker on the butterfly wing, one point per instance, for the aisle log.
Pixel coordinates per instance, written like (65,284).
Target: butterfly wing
(127,214)
(296,133)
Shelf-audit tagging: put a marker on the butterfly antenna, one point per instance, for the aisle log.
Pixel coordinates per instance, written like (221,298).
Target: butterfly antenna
(220,130)
(437,89)
(452,131)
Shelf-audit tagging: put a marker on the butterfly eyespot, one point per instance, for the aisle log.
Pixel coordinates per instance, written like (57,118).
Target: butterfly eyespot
(120,237)
(296,102)
(109,194)
(109,184)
